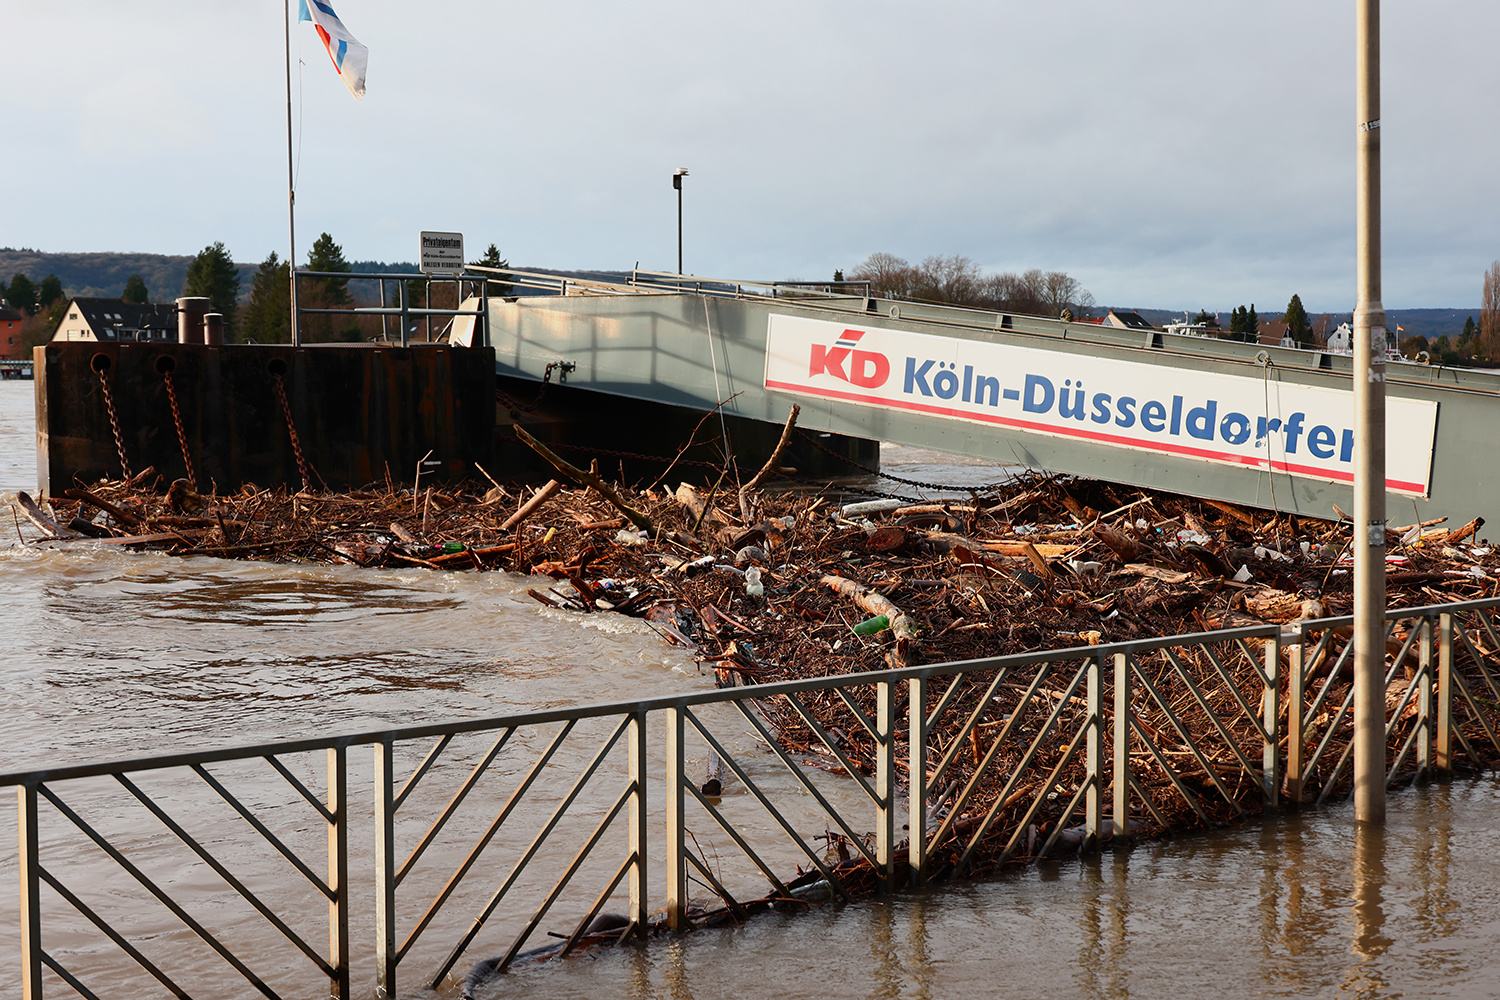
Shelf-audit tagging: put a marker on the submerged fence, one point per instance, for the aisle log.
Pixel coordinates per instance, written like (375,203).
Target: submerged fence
(182,872)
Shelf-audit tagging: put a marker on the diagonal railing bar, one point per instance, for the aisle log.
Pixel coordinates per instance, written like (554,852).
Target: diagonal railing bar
(1184,675)
(740,841)
(1417,729)
(1145,798)
(960,681)
(961,738)
(156,890)
(1053,723)
(858,713)
(827,740)
(296,783)
(228,876)
(1251,715)
(1036,805)
(1487,623)
(1065,815)
(1187,740)
(760,797)
(264,831)
(494,828)
(1406,698)
(1166,766)
(1462,635)
(536,843)
(475,774)
(1256,664)
(410,785)
(1311,663)
(68,977)
(567,876)
(1338,767)
(1468,696)
(796,773)
(996,745)
(1345,709)
(598,905)
(114,935)
(713,883)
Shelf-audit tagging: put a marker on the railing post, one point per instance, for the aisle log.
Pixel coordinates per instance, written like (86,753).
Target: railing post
(385,871)
(1442,752)
(31,900)
(885,782)
(639,838)
(1094,798)
(916,780)
(1424,701)
(1270,720)
(1296,705)
(338,872)
(676,835)
(1121,812)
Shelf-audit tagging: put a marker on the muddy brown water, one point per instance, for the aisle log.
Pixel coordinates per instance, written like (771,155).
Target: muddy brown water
(111,655)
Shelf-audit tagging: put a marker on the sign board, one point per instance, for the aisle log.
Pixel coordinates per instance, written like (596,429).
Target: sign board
(442,253)
(1259,423)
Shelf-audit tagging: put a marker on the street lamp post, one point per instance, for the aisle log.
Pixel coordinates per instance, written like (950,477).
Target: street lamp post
(677,176)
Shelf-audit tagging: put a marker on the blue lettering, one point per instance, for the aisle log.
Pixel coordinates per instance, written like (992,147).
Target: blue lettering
(1012,394)
(1200,420)
(968,381)
(917,376)
(945,384)
(984,382)
(1235,428)
(1101,408)
(1076,411)
(1320,441)
(1176,414)
(1125,406)
(1154,416)
(1039,394)
(1346,447)
(1293,431)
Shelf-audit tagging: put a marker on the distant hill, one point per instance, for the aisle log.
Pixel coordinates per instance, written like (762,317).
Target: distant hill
(1429,323)
(104,274)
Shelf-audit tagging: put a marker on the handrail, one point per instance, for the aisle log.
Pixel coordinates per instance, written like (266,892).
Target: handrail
(696,698)
(1039,734)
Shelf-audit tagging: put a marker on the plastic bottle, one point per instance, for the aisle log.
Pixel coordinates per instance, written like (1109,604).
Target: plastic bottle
(753,586)
(870,626)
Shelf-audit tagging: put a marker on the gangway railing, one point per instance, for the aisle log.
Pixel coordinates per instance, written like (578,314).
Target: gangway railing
(468,288)
(191,866)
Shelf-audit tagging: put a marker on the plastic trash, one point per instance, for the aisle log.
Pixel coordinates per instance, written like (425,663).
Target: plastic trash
(453,546)
(871,626)
(753,586)
(1243,576)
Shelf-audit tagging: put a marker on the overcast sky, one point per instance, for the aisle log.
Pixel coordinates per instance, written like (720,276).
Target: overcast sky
(1168,153)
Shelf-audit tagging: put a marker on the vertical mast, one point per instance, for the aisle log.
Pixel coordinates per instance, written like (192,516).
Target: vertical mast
(291,191)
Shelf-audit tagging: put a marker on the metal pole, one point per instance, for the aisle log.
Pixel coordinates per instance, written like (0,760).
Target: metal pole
(385,871)
(338,873)
(31,893)
(679,227)
(291,189)
(640,823)
(1121,811)
(1369,435)
(916,779)
(885,782)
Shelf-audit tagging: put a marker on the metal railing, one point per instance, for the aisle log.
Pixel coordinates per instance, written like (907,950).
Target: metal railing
(481,830)
(403,311)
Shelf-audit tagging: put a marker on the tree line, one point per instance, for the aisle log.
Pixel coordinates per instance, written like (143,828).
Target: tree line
(956,280)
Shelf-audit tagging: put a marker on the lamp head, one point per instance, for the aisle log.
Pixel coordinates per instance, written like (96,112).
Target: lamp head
(677,176)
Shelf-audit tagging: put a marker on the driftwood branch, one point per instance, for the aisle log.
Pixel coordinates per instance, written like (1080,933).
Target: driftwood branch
(589,479)
(771,463)
(540,497)
(875,603)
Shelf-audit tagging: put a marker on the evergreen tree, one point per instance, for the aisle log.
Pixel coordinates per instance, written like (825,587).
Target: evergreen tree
(212,274)
(1296,322)
(1242,325)
(1252,325)
(21,294)
(135,290)
(327,255)
(326,293)
(492,258)
(49,291)
(267,317)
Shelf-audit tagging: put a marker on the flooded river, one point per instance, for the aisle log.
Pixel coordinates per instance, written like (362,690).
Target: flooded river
(112,655)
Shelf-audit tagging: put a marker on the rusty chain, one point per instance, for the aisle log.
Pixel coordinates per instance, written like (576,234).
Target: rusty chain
(114,422)
(291,429)
(187,457)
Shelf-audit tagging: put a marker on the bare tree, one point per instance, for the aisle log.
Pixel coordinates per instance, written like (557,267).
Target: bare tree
(889,276)
(954,279)
(1489,316)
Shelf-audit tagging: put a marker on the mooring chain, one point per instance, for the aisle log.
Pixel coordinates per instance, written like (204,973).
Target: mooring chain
(114,423)
(187,457)
(291,429)
(635,455)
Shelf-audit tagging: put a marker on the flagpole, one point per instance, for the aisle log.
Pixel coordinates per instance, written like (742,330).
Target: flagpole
(291,189)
